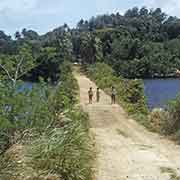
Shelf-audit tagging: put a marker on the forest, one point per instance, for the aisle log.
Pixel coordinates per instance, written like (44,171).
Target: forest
(142,43)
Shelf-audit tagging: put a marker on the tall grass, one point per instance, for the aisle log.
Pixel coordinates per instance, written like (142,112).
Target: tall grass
(21,111)
(167,121)
(53,133)
(64,151)
(170,119)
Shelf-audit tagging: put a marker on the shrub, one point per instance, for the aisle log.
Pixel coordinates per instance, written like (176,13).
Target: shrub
(167,121)
(171,123)
(158,120)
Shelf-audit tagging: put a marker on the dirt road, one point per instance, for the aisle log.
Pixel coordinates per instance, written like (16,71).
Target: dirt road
(125,149)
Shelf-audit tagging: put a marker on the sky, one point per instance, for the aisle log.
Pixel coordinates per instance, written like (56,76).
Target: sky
(45,15)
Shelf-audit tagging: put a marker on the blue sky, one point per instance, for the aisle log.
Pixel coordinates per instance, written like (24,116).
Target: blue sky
(44,15)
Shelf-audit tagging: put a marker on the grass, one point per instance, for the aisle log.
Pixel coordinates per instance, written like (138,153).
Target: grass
(171,172)
(61,148)
(167,121)
(122,133)
(65,151)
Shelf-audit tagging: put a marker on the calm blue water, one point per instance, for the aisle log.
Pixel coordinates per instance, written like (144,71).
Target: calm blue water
(160,91)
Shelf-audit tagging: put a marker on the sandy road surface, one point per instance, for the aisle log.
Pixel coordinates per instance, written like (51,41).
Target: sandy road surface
(125,149)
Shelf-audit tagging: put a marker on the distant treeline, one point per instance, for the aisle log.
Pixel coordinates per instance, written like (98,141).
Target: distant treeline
(141,43)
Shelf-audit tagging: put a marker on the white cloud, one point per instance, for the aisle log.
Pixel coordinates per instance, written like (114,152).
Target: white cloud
(39,15)
(17,5)
(43,15)
(171,7)
(30,6)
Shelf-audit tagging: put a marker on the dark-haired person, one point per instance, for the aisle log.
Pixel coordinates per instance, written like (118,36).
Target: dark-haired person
(90,94)
(113,95)
(177,72)
(98,95)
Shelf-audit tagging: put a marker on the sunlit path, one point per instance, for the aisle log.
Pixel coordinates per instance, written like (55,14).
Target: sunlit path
(125,149)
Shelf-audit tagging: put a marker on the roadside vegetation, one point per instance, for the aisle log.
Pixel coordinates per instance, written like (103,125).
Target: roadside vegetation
(43,133)
(167,121)
(173,174)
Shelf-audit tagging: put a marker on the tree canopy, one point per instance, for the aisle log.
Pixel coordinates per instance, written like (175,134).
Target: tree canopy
(141,43)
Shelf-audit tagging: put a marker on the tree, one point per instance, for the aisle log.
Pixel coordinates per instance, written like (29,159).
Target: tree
(90,48)
(29,34)
(16,66)
(143,11)
(47,65)
(80,24)
(158,15)
(17,35)
(134,12)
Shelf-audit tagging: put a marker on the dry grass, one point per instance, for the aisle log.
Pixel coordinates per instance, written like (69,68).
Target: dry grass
(122,133)
(173,174)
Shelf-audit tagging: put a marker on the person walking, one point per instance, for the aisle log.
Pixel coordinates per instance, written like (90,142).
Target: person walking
(113,95)
(90,94)
(98,95)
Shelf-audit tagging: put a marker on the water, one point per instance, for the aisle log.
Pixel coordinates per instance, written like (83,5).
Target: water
(25,86)
(160,91)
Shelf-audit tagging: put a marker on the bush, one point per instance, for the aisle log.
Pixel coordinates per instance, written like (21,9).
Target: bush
(167,121)
(171,123)
(158,120)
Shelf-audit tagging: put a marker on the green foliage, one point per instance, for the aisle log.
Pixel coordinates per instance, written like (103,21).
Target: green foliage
(22,110)
(130,93)
(67,96)
(90,48)
(47,65)
(64,151)
(14,67)
(167,121)
(131,57)
(141,43)
(53,134)
(171,121)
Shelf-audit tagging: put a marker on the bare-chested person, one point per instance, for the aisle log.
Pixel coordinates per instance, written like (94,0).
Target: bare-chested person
(113,95)
(90,94)
(98,95)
